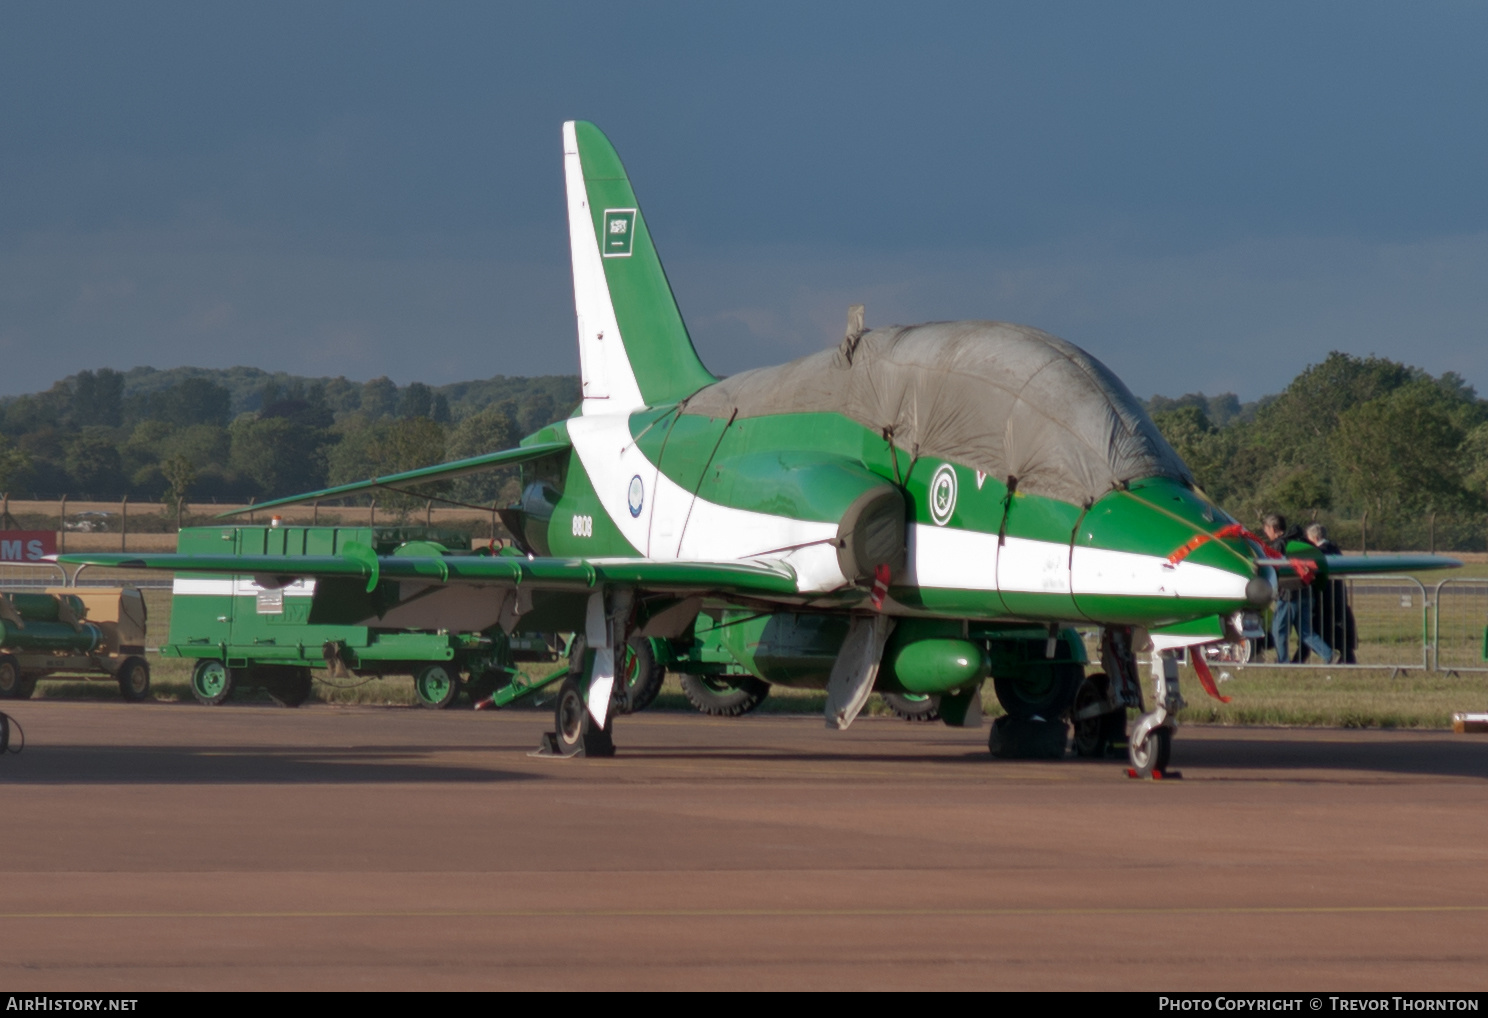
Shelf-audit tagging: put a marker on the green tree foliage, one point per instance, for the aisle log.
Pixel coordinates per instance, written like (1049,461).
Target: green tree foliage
(1347,436)
(60,438)
(1397,454)
(491,430)
(179,476)
(97,399)
(278,456)
(15,465)
(375,448)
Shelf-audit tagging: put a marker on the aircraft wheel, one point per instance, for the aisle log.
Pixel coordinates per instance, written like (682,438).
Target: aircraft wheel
(914,706)
(577,734)
(1042,693)
(134,679)
(1152,753)
(437,686)
(728,696)
(1095,733)
(10,678)
(211,682)
(643,674)
(291,687)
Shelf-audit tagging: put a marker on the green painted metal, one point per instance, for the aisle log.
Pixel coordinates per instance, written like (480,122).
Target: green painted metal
(520,687)
(936,665)
(439,472)
(665,364)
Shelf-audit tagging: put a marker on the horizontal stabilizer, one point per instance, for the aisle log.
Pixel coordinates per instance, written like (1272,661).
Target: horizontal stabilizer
(423,475)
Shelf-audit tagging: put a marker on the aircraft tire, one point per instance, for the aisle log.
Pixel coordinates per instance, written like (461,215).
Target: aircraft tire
(1093,736)
(1047,700)
(134,679)
(1152,753)
(643,674)
(574,729)
(212,682)
(914,706)
(1022,739)
(291,688)
(727,696)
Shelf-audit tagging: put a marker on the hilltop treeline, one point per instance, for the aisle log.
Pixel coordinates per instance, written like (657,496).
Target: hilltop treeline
(241,433)
(1353,442)
(1348,437)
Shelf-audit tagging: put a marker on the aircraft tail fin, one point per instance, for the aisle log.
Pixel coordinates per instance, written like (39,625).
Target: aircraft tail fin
(634,349)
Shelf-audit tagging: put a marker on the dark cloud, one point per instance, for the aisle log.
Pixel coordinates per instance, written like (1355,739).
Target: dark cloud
(375,188)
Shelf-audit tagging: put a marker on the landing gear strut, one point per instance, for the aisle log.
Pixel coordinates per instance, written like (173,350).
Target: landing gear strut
(1151,742)
(590,696)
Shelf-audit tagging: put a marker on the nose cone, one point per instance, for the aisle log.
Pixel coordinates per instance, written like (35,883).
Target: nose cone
(1153,555)
(1259,592)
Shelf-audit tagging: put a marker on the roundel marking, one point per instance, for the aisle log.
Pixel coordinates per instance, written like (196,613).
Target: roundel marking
(943,494)
(635,497)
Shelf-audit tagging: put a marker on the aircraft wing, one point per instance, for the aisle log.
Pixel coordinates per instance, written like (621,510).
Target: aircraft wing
(1364,565)
(441,472)
(755,578)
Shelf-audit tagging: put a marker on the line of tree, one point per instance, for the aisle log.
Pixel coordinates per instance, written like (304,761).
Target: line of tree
(1348,437)
(241,433)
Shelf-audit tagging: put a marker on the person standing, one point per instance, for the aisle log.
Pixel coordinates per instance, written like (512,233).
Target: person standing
(1293,607)
(1332,615)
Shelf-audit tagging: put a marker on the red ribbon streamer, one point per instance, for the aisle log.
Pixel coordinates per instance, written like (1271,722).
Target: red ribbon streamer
(1201,668)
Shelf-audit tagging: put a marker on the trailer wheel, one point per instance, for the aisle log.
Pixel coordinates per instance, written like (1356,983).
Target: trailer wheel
(291,687)
(725,695)
(914,706)
(211,682)
(643,674)
(10,678)
(134,679)
(437,686)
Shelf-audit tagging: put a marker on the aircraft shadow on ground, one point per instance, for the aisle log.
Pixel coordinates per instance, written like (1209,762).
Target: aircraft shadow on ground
(240,765)
(1436,757)
(1219,759)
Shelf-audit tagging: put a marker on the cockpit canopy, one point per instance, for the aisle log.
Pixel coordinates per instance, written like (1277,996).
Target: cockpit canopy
(1006,400)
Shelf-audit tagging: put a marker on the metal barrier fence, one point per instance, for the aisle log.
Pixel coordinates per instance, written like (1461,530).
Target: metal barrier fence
(1459,631)
(1393,622)
(40,575)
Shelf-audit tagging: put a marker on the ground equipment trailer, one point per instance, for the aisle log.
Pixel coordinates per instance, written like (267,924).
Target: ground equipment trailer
(73,633)
(246,632)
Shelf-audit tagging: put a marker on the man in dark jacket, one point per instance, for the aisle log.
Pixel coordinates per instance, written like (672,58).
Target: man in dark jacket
(1332,616)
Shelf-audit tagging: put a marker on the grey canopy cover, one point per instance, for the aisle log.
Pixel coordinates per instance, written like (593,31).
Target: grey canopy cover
(1007,400)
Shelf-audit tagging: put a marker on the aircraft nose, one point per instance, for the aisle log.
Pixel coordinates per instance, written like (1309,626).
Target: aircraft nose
(1258,592)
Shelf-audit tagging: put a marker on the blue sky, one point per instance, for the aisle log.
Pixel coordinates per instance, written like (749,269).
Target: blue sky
(1204,196)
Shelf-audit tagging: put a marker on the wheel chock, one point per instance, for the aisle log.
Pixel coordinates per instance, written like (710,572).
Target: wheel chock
(1131,772)
(547,746)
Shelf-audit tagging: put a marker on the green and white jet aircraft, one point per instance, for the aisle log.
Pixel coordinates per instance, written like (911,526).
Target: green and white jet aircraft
(914,511)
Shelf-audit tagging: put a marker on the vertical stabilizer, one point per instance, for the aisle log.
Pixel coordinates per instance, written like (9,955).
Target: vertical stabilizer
(634,349)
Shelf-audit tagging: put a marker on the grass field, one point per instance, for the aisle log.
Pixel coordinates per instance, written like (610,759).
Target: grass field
(1299,697)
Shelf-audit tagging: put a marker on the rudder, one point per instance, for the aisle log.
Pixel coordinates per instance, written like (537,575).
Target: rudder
(634,349)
